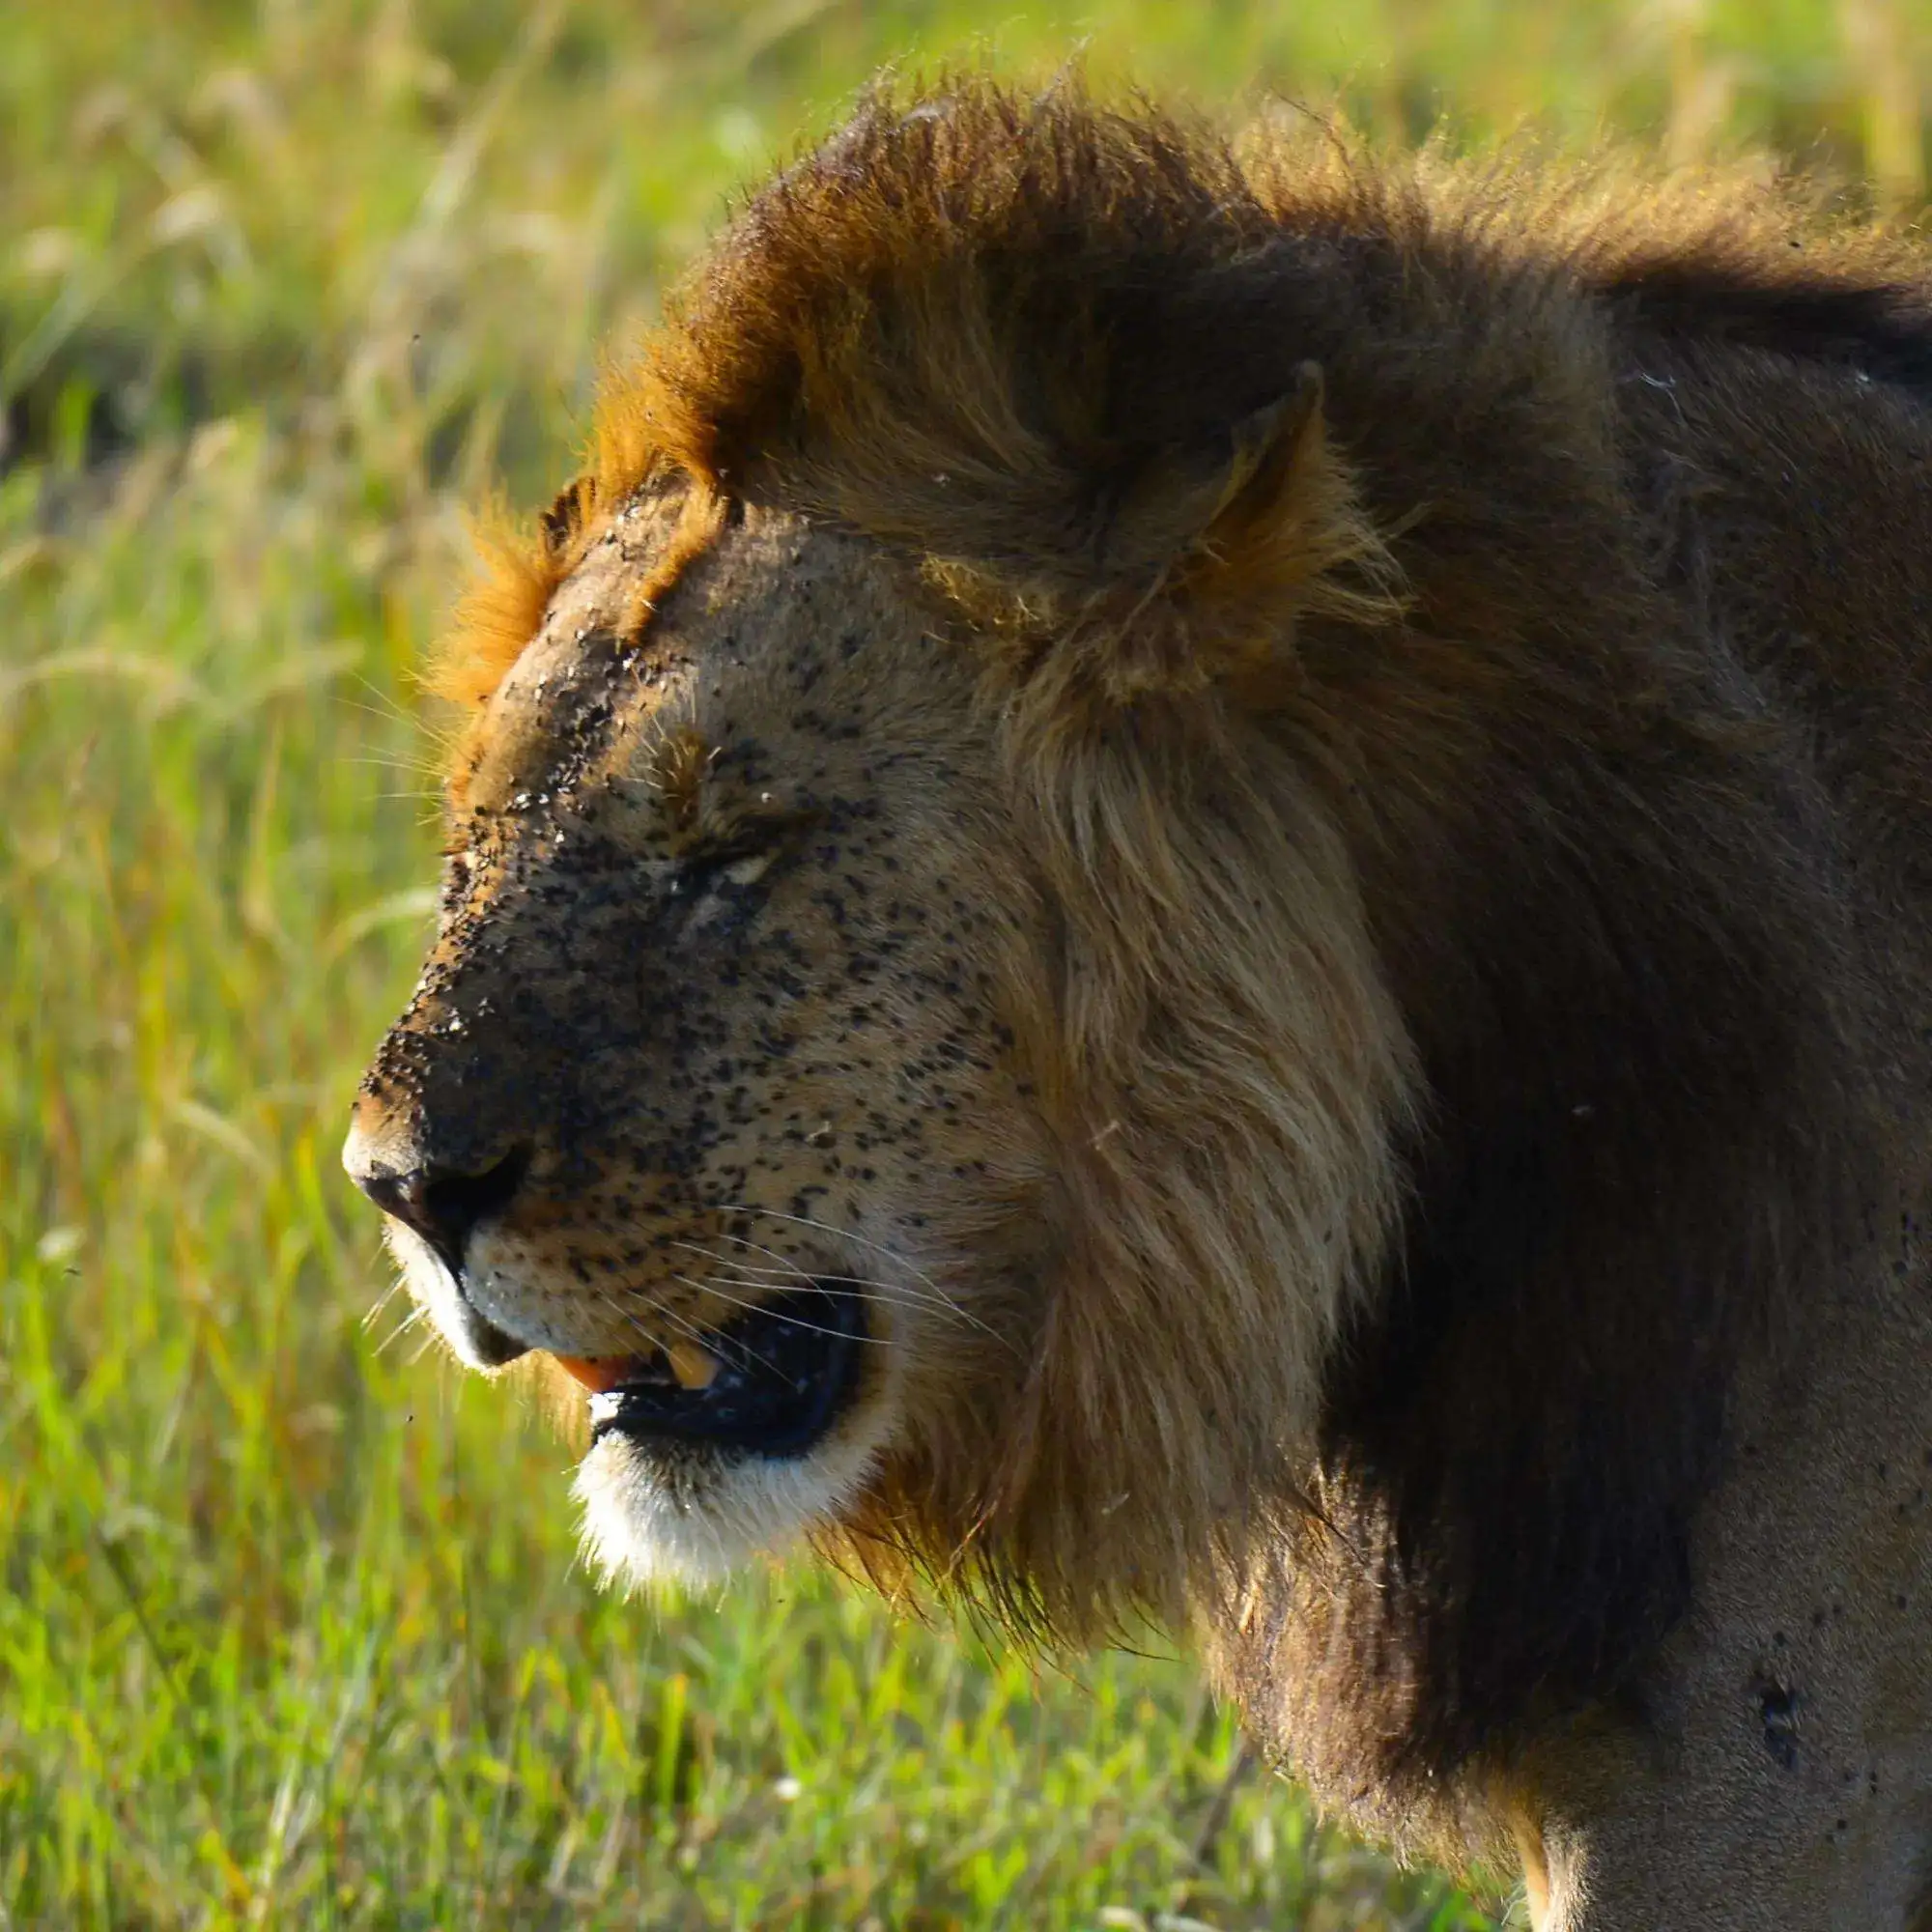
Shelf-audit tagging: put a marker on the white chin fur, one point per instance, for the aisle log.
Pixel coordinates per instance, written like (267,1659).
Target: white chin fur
(695,1513)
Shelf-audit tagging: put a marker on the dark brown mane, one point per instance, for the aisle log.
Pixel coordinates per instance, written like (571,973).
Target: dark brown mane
(1884,330)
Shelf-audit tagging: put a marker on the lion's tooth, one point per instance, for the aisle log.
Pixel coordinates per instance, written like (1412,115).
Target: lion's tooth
(695,1367)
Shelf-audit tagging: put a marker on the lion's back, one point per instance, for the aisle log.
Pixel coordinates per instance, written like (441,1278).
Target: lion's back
(1787,459)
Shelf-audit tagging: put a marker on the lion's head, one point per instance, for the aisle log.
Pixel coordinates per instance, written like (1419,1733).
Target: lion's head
(902,1032)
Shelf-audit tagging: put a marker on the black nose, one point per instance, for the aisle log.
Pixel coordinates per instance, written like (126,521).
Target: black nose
(445,1207)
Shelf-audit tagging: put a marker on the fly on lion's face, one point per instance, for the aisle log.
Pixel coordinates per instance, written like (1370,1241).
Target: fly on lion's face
(704,1090)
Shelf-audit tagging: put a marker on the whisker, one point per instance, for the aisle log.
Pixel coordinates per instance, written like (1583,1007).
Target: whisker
(745,1352)
(786,1269)
(838,1234)
(862,1288)
(887,1292)
(934,1297)
(396,1334)
(384,708)
(710,1287)
(792,1266)
(382,1300)
(745,1355)
(926,1281)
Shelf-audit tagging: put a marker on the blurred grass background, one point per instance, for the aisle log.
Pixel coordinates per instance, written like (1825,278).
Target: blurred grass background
(290,1630)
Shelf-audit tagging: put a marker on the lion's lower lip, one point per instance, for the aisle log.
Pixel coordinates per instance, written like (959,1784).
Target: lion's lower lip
(784,1371)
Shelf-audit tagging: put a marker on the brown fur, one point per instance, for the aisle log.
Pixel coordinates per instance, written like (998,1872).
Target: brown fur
(1448,649)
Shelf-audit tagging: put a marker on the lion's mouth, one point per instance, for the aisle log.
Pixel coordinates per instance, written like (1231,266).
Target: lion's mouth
(770,1382)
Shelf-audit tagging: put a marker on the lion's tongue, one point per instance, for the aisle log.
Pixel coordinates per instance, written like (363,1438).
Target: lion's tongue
(599,1373)
(692,1366)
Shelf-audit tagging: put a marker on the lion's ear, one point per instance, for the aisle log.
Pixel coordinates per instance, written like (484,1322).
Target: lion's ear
(1195,500)
(1211,557)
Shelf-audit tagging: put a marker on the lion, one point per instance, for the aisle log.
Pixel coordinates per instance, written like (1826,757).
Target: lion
(1193,884)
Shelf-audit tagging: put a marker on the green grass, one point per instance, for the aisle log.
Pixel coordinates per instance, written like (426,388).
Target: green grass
(290,1628)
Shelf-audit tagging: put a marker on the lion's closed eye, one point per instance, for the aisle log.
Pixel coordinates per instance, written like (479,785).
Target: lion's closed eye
(743,851)
(710,873)
(729,868)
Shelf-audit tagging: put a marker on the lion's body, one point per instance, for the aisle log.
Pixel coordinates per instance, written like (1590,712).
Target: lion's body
(1359,967)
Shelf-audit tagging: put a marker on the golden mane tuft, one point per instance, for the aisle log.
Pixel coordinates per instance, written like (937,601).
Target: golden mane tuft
(499,613)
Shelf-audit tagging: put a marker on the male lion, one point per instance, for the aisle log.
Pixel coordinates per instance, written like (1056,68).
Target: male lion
(1196,884)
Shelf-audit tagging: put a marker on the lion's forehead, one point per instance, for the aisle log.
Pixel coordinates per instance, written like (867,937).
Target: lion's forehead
(772,612)
(582,682)
(791,667)
(787,702)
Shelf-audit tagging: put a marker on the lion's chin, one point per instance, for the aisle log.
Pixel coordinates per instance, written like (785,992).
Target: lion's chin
(695,1511)
(732,1441)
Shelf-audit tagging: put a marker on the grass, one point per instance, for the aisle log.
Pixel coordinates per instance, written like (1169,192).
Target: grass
(290,1628)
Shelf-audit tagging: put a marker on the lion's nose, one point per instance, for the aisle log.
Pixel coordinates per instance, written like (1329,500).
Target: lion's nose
(443,1205)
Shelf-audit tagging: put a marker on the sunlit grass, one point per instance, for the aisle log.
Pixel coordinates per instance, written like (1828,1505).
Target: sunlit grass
(290,1628)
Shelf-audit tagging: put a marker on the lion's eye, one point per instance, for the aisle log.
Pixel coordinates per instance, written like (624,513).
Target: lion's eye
(741,856)
(707,872)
